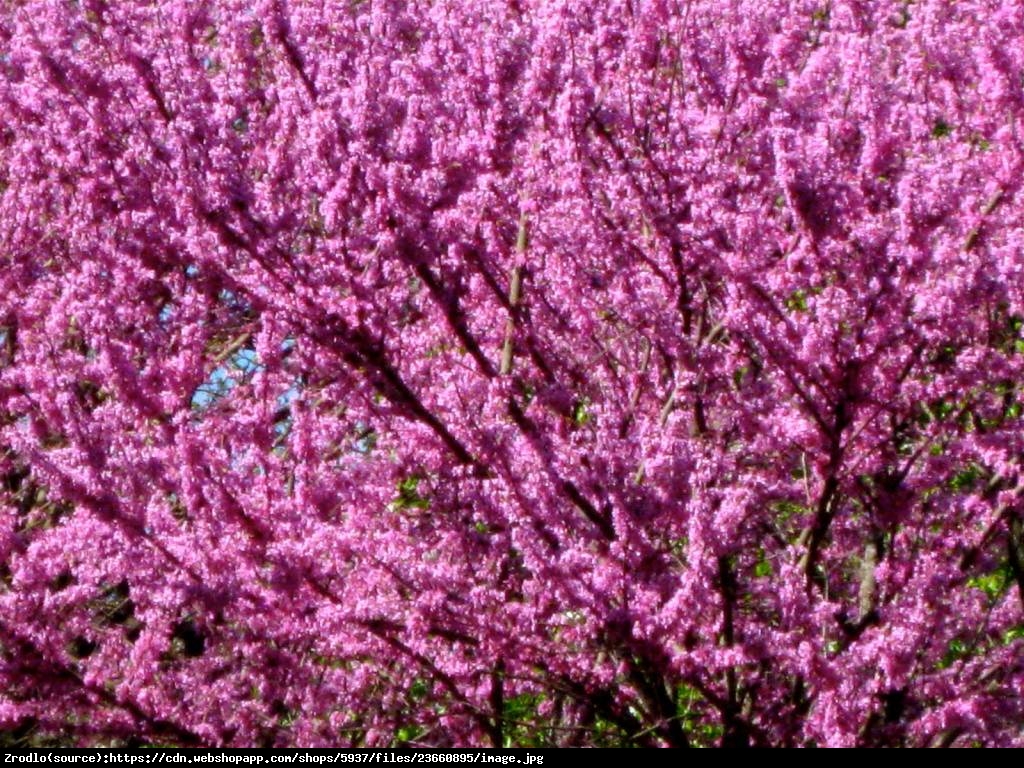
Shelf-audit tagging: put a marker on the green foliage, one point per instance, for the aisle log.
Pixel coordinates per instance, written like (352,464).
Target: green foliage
(965,479)
(763,567)
(580,415)
(703,728)
(409,496)
(522,724)
(941,129)
(797,301)
(993,584)
(407,734)
(1014,634)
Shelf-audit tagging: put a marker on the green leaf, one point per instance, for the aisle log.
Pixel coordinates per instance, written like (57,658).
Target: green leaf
(992,584)
(941,129)
(797,301)
(409,496)
(580,415)
(762,569)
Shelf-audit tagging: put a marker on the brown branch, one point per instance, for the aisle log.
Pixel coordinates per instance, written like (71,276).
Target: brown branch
(733,733)
(47,669)
(514,296)
(1015,554)
(990,205)
(868,582)
(291,51)
(497,702)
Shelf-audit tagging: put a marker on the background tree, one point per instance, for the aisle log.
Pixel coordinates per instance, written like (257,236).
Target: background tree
(511,372)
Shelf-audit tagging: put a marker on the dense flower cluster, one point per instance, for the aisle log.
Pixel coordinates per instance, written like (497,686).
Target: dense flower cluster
(512,372)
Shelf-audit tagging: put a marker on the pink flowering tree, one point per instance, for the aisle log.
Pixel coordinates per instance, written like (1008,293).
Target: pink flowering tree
(512,372)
